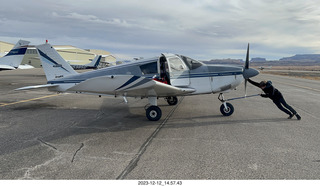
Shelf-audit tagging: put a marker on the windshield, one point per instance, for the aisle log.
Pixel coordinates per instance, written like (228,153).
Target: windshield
(191,63)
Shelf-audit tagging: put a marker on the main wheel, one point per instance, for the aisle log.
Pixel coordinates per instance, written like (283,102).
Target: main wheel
(227,111)
(172,100)
(153,113)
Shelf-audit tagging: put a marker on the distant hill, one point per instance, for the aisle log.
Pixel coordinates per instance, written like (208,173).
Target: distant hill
(296,60)
(303,58)
(225,61)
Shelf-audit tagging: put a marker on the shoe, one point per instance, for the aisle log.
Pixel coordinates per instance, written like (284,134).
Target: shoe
(298,116)
(290,116)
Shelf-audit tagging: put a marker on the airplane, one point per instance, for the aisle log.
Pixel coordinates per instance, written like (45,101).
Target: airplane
(167,76)
(93,65)
(262,67)
(13,59)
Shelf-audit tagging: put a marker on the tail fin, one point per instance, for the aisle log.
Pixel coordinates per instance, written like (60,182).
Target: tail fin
(21,43)
(92,65)
(14,58)
(53,64)
(95,62)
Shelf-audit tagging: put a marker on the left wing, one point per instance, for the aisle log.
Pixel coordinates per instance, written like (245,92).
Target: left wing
(129,85)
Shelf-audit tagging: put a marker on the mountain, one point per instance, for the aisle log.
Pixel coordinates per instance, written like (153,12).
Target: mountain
(296,60)
(303,58)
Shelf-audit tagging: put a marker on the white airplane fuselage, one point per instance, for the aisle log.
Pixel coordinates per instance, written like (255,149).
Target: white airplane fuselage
(168,76)
(204,79)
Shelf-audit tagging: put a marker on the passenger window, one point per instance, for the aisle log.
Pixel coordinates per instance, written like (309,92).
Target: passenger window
(150,68)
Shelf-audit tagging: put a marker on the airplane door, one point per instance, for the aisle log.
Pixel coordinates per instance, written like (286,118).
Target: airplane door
(178,70)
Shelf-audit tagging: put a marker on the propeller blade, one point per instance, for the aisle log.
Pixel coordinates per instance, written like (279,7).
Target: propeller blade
(248,72)
(246,66)
(245,87)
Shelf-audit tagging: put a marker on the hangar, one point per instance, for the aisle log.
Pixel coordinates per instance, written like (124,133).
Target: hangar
(71,54)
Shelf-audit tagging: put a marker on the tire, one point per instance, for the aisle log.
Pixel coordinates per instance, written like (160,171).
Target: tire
(172,100)
(227,112)
(153,113)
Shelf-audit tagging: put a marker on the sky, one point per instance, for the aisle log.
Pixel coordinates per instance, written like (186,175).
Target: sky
(201,29)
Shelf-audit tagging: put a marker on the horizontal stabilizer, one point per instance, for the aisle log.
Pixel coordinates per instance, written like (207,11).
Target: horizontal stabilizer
(6,67)
(25,66)
(37,86)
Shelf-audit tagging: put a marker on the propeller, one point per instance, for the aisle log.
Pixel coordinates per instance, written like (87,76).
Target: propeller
(248,72)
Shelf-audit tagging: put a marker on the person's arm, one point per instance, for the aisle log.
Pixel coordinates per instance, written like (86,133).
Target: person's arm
(254,83)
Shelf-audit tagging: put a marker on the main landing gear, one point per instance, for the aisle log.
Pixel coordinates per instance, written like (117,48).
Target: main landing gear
(172,100)
(226,108)
(153,112)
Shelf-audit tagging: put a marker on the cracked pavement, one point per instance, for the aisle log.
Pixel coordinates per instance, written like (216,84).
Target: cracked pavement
(72,136)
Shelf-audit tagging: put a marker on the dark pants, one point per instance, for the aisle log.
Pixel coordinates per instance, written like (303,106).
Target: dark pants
(281,103)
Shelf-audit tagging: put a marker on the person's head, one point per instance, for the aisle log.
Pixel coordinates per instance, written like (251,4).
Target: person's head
(263,84)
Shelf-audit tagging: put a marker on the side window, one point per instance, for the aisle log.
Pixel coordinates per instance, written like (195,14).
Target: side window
(149,68)
(176,64)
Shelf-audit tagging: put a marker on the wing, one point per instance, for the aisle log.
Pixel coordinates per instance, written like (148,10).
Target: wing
(129,85)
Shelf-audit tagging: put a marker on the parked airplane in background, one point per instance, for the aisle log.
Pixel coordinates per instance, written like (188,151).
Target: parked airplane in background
(93,65)
(262,67)
(13,59)
(167,76)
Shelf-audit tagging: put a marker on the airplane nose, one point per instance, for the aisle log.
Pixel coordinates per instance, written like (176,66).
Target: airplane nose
(250,72)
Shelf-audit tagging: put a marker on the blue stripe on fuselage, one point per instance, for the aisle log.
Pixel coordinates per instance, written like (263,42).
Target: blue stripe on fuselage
(198,75)
(129,81)
(209,74)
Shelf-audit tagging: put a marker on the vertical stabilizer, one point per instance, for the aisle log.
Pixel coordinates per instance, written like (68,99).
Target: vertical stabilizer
(13,59)
(95,62)
(53,64)
(21,43)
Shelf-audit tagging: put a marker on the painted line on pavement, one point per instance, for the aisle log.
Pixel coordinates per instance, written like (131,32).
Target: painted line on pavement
(28,100)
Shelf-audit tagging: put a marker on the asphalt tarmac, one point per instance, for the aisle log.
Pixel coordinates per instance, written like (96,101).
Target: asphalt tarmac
(44,135)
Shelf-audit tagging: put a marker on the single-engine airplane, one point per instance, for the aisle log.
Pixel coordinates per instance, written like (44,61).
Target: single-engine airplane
(92,65)
(262,67)
(167,76)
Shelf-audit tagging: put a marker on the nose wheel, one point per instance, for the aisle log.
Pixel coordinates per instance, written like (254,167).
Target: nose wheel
(226,108)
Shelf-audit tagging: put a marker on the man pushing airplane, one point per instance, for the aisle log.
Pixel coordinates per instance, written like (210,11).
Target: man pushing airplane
(276,96)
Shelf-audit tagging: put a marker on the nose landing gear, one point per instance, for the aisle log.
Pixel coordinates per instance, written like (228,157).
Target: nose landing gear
(226,108)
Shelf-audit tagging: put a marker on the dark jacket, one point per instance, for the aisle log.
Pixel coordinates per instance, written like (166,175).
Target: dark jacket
(270,91)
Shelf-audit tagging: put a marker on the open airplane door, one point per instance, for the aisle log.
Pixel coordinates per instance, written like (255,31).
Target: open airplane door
(178,70)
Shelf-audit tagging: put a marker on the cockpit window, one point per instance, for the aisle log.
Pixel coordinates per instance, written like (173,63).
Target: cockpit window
(191,63)
(149,68)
